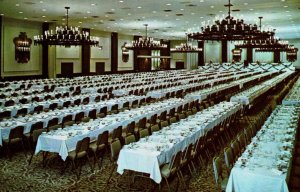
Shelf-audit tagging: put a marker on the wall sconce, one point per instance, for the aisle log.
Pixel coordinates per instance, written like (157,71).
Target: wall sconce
(22,48)
(125,53)
(236,54)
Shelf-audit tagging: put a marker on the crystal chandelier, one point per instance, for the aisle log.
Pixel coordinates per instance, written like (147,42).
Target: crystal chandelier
(146,43)
(230,28)
(66,36)
(185,47)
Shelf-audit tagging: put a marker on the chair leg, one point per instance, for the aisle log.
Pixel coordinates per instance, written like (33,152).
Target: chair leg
(29,162)
(45,154)
(168,184)
(23,146)
(112,171)
(182,181)
(75,167)
(193,165)
(89,162)
(8,151)
(65,167)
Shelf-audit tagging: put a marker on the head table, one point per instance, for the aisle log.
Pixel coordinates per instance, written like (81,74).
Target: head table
(265,164)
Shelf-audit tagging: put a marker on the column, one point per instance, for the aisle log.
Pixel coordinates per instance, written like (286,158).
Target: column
(224,51)
(0,46)
(201,54)
(114,52)
(45,55)
(85,56)
(276,56)
(250,55)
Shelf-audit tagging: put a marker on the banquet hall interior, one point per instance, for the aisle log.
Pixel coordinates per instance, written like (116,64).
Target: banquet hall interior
(140,95)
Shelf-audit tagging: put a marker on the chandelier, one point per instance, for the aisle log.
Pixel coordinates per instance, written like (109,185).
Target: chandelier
(66,36)
(144,43)
(277,47)
(230,28)
(262,43)
(185,47)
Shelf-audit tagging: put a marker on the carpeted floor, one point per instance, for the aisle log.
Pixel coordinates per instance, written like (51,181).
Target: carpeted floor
(17,175)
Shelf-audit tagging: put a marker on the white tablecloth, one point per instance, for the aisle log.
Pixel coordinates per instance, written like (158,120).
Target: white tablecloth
(146,158)
(265,154)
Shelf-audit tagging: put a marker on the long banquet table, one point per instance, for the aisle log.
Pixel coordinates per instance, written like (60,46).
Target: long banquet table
(265,164)
(28,120)
(64,140)
(293,97)
(149,153)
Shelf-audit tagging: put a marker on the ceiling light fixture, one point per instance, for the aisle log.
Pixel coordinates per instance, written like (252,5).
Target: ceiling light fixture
(185,47)
(229,28)
(66,36)
(146,43)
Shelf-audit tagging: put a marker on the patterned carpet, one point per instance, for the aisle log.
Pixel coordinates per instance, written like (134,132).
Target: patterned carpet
(17,175)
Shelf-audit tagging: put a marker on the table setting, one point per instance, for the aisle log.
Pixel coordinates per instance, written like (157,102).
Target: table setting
(266,162)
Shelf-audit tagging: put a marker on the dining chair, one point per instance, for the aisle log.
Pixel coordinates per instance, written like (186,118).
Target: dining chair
(80,152)
(235,146)
(22,112)
(52,122)
(163,124)
(35,135)
(170,169)
(125,106)
(104,97)
(220,179)
(78,117)
(38,109)
(53,106)
(129,139)
(97,98)
(135,104)
(173,120)
(130,128)
(15,136)
(66,94)
(242,141)
(9,103)
(102,113)
(141,125)
(114,109)
(34,126)
(35,99)
(162,117)
(186,159)
(154,128)
(178,111)
(181,116)
(198,151)
(86,101)
(23,101)
(5,115)
(142,102)
(99,147)
(115,148)
(143,133)
(76,102)
(228,156)
(116,135)
(67,121)
(58,95)
(66,104)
